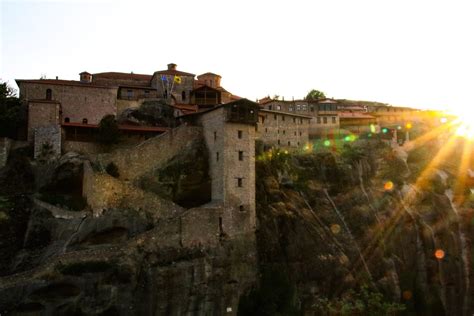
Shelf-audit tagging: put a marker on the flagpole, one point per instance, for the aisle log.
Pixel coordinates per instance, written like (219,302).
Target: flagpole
(162,86)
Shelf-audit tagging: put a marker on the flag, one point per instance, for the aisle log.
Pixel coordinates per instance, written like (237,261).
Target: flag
(177,79)
(163,78)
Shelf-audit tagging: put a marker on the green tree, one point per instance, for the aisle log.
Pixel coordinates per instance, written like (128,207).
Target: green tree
(13,115)
(108,130)
(315,95)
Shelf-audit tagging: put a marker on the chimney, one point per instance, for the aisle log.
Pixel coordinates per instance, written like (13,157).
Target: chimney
(172,66)
(85,77)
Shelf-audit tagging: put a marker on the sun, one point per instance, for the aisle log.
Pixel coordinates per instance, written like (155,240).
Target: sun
(465,123)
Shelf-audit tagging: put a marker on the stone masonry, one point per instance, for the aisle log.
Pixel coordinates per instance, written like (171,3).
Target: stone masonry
(5,145)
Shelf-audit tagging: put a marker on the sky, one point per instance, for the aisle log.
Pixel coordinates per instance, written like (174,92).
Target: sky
(402,52)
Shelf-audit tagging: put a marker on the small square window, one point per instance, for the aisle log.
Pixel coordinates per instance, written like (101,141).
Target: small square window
(239,134)
(239,182)
(241,208)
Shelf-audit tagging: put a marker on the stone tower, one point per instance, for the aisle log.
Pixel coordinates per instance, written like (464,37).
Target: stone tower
(229,133)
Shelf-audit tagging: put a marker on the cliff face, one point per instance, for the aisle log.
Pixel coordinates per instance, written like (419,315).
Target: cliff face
(330,227)
(334,223)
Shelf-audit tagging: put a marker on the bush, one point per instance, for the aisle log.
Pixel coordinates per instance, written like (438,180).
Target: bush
(108,130)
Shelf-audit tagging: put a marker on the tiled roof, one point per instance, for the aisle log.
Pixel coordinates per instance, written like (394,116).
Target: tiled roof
(122,75)
(63,83)
(210,74)
(286,113)
(43,101)
(358,115)
(174,73)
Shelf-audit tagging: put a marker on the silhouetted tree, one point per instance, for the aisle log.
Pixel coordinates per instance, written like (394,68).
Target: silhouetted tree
(13,115)
(315,95)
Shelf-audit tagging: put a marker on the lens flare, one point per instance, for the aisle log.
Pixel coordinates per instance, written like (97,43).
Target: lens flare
(439,254)
(388,186)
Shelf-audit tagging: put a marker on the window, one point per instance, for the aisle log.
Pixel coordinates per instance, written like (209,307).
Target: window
(269,107)
(129,94)
(284,132)
(275,116)
(241,155)
(311,108)
(49,94)
(266,130)
(147,92)
(239,134)
(301,121)
(278,107)
(289,143)
(215,135)
(325,120)
(278,131)
(282,118)
(334,120)
(295,133)
(318,120)
(278,142)
(239,182)
(298,107)
(67,120)
(84,121)
(217,156)
(294,120)
(301,133)
(241,208)
(183,95)
(298,143)
(290,108)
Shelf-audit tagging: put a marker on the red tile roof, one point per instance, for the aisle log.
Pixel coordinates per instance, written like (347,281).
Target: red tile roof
(174,73)
(123,75)
(209,74)
(63,83)
(358,115)
(43,101)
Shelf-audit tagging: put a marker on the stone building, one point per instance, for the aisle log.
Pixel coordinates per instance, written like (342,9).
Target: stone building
(229,133)
(283,129)
(78,106)
(323,113)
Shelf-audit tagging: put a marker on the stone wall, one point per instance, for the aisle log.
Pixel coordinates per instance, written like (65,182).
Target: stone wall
(86,148)
(47,144)
(133,162)
(103,192)
(186,85)
(5,145)
(283,129)
(42,113)
(78,102)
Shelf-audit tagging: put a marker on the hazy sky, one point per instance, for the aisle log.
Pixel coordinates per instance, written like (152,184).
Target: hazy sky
(413,52)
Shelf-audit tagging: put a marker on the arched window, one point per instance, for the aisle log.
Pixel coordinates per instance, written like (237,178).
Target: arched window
(49,94)
(183,95)
(84,121)
(66,120)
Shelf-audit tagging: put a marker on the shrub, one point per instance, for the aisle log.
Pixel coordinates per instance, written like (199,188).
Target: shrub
(108,130)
